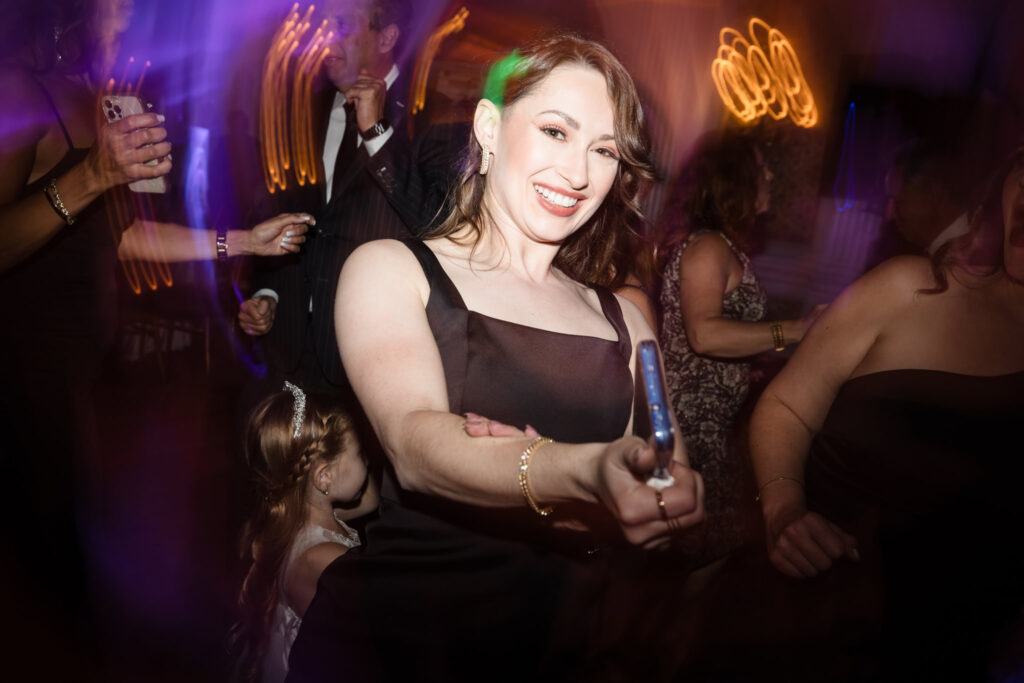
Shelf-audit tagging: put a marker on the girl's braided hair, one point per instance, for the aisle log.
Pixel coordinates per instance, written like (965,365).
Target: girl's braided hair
(280,464)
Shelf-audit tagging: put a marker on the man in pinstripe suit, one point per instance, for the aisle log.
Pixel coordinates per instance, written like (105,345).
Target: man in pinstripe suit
(378,184)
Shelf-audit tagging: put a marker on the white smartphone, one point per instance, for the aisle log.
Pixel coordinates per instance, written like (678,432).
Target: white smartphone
(115,108)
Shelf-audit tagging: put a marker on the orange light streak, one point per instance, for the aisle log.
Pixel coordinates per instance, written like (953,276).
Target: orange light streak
(142,77)
(274,109)
(119,201)
(762,76)
(433,43)
(124,75)
(307,66)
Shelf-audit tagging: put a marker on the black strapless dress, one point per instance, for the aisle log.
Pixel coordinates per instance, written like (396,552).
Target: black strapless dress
(446,591)
(925,468)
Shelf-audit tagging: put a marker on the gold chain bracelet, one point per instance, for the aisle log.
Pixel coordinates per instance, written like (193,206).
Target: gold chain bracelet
(524,479)
(54,198)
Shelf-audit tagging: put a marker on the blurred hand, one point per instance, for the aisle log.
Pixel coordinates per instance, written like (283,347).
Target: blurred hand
(256,315)
(120,152)
(280,235)
(622,471)
(368,95)
(802,544)
(481,426)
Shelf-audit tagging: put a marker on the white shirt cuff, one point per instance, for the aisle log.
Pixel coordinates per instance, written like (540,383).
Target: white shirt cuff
(266,292)
(373,146)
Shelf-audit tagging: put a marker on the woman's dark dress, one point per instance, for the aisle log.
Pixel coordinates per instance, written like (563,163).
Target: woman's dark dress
(59,321)
(925,469)
(448,591)
(708,394)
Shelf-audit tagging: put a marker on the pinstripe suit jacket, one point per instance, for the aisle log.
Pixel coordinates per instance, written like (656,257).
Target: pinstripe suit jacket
(393,194)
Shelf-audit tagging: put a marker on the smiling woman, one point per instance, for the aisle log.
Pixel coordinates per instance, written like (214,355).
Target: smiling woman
(492,539)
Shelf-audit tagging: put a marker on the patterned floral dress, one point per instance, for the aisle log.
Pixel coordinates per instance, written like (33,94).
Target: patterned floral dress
(708,394)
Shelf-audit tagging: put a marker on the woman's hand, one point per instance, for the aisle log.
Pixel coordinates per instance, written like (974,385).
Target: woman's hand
(646,515)
(279,235)
(803,324)
(480,426)
(123,148)
(802,544)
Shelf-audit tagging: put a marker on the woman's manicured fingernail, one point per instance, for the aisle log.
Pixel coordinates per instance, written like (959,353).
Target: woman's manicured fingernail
(288,233)
(161,118)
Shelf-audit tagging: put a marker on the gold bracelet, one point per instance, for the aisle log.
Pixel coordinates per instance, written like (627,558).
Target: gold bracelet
(771,481)
(54,198)
(777,338)
(524,480)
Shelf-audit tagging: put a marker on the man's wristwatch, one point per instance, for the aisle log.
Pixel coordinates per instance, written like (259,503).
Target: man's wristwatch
(376,130)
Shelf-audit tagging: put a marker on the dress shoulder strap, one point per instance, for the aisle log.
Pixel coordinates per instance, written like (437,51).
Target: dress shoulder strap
(440,284)
(737,252)
(613,313)
(56,112)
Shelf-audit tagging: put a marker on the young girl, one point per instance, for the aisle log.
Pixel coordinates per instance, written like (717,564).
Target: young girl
(312,476)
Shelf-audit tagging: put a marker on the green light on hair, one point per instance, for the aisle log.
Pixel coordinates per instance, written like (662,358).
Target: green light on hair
(499,73)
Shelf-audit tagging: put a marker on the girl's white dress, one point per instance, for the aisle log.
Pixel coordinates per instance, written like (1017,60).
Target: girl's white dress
(286,623)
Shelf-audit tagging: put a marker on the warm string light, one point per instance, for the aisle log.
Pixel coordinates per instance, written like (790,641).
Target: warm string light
(282,143)
(453,25)
(153,269)
(762,76)
(307,67)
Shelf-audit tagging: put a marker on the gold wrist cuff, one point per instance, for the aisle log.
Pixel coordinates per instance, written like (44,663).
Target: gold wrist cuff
(524,478)
(777,337)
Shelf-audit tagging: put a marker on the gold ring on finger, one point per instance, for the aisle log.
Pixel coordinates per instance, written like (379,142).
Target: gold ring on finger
(661,506)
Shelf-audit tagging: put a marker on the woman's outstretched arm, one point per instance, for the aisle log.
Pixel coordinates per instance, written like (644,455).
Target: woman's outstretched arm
(394,365)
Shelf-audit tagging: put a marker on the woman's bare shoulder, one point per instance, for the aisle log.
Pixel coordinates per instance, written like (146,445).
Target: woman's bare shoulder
(896,281)
(381,256)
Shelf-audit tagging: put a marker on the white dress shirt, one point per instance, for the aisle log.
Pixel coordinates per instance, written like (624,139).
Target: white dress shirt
(332,144)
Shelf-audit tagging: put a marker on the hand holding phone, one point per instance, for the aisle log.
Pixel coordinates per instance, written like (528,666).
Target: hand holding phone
(115,108)
(652,419)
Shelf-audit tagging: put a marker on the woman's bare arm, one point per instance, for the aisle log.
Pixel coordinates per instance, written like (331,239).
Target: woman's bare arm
(117,157)
(169,242)
(793,408)
(393,363)
(703,280)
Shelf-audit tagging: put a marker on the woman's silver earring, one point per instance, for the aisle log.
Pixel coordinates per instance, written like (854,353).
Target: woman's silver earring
(485,159)
(325,492)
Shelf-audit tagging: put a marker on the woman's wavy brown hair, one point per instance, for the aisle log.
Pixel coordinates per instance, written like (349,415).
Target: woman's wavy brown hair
(588,253)
(979,251)
(716,190)
(280,464)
